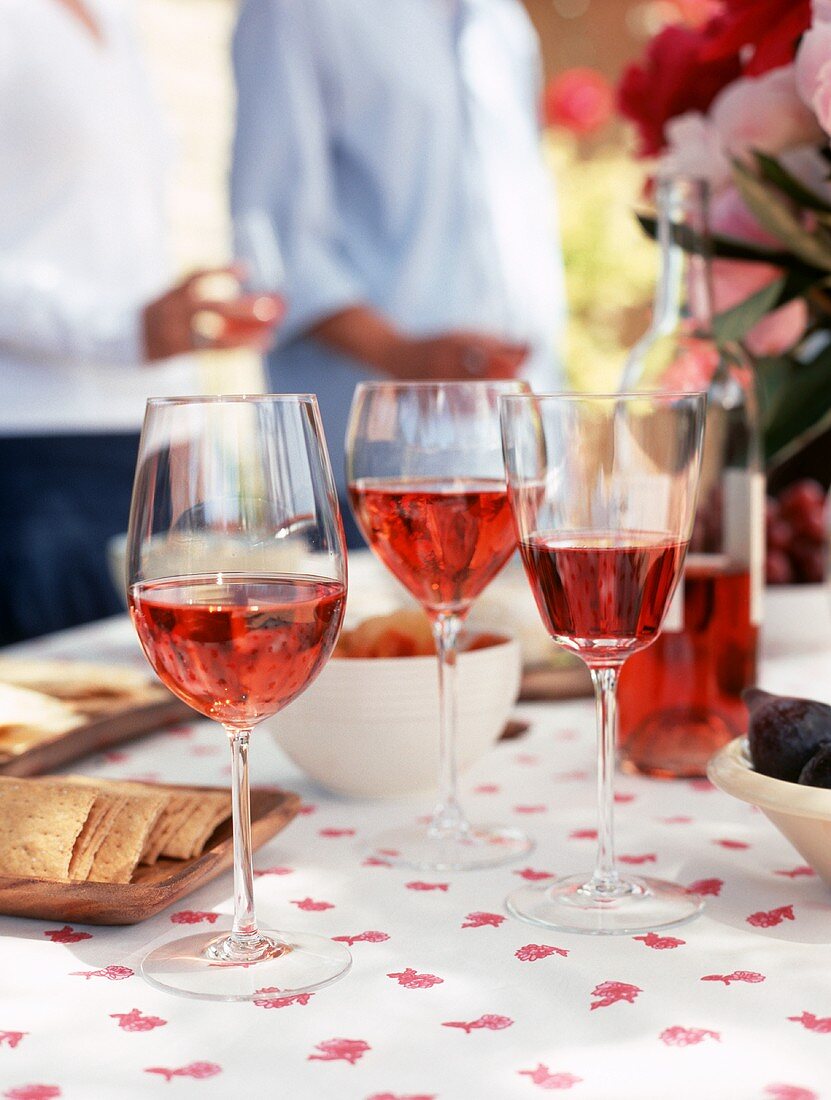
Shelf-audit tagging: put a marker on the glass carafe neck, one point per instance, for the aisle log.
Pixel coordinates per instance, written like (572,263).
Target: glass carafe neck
(684,295)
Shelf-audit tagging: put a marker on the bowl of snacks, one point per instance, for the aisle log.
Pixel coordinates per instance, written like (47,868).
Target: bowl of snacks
(783,766)
(369,725)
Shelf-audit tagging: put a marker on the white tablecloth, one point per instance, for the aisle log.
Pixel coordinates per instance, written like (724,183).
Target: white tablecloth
(448,998)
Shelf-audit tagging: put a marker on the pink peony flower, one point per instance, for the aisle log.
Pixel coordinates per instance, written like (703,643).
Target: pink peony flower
(694,149)
(813,71)
(763,113)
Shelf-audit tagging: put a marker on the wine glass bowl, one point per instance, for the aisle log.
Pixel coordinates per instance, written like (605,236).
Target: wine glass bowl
(427,486)
(603,490)
(237,590)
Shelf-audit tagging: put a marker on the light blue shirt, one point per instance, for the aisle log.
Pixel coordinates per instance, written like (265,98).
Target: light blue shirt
(394,147)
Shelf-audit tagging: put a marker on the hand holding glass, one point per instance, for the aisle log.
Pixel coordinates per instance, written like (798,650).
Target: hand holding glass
(603,490)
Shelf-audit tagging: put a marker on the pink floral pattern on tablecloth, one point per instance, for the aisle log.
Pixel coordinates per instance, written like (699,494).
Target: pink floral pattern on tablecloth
(449,995)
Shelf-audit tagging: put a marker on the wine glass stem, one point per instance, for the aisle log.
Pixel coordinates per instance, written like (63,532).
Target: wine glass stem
(605,878)
(244,935)
(447,816)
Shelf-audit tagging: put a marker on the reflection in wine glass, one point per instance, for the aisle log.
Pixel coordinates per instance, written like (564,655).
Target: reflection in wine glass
(237,586)
(603,490)
(427,483)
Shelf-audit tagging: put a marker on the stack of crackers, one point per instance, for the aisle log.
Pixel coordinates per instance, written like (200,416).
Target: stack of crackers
(74,828)
(43,700)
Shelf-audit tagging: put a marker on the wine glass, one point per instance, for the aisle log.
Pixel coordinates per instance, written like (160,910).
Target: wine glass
(603,491)
(427,486)
(237,588)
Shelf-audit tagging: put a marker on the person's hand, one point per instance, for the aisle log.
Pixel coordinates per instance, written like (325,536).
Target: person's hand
(452,356)
(184,319)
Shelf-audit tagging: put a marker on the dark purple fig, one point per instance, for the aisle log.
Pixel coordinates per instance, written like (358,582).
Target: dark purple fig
(785,732)
(817,772)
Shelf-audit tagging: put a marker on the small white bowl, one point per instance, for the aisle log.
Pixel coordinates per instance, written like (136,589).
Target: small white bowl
(369,727)
(802,814)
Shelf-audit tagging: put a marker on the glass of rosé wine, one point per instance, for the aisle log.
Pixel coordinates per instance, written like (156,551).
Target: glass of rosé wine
(427,486)
(603,491)
(237,588)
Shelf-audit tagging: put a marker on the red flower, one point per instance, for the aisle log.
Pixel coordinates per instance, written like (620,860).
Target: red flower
(675,77)
(580,100)
(769,30)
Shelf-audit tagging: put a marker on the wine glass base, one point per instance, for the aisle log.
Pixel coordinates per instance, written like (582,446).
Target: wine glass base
(466,849)
(573,905)
(291,963)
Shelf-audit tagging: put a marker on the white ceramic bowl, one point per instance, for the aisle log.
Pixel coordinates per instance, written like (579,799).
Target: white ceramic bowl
(370,727)
(801,814)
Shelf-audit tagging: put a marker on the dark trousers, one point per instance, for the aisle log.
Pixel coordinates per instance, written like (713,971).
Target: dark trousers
(61,499)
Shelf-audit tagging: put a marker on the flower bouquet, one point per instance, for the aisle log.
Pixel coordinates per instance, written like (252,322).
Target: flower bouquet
(744,101)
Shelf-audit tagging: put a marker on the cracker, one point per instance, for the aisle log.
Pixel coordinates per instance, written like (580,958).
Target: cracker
(206,811)
(72,679)
(39,826)
(104,811)
(118,857)
(173,816)
(28,717)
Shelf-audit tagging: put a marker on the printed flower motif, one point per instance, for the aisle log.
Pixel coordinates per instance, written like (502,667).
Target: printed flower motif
(363,937)
(340,1050)
(111,973)
(483,920)
(397,1096)
(732,845)
(67,934)
(583,834)
(273,871)
(199,1071)
(33,1092)
(335,833)
(538,808)
(11,1038)
(790,1092)
(687,1036)
(543,1077)
(810,1022)
(412,980)
(660,943)
(530,875)
(134,1020)
(487,1022)
(486,788)
(263,1000)
(309,905)
(192,916)
(636,861)
(427,886)
(750,976)
(609,993)
(706,887)
(797,872)
(772,917)
(534,951)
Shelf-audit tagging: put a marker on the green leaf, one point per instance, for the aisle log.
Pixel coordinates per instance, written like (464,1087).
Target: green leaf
(735,323)
(803,408)
(789,185)
(731,248)
(774,214)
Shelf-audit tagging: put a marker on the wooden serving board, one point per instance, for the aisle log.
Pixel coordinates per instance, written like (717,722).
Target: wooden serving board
(154,887)
(123,720)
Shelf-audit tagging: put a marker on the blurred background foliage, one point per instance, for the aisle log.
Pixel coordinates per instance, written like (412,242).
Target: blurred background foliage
(610,267)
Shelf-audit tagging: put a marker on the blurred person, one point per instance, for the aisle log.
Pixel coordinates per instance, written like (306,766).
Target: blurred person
(395,147)
(88,329)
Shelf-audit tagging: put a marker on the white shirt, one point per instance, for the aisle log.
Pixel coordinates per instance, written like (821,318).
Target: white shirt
(82,222)
(394,145)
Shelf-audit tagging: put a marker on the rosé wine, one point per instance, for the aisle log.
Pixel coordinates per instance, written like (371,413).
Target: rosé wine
(681,699)
(603,595)
(238,648)
(445,540)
